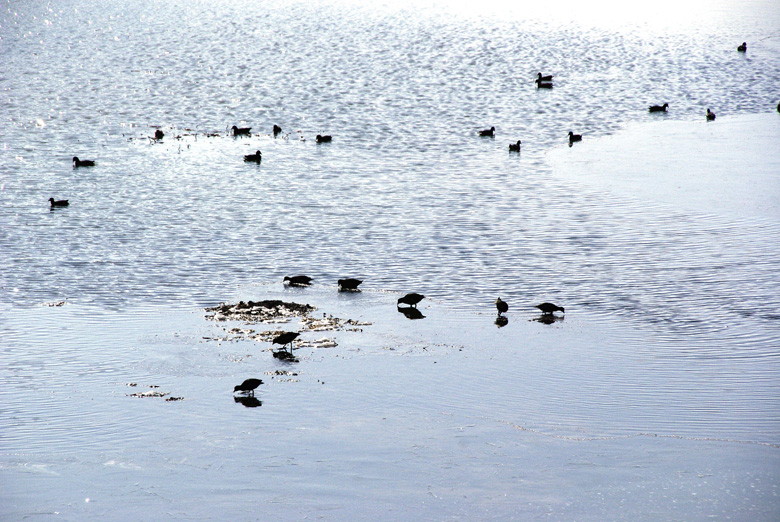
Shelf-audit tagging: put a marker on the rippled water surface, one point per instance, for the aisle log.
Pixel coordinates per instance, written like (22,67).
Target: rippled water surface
(658,232)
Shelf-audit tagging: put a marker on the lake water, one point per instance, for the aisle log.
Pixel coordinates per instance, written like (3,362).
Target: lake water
(657,397)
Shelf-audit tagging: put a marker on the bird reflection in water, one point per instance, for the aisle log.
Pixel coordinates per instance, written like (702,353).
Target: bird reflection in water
(548,318)
(501,321)
(410,312)
(248,401)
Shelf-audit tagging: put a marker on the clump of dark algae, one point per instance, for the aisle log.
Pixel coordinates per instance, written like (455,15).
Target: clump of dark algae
(269,311)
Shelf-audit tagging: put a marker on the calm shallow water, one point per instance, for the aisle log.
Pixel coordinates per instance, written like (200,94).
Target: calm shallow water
(673,301)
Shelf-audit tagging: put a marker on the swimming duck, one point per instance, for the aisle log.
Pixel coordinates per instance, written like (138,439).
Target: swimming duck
(257,157)
(248,386)
(82,163)
(540,78)
(349,284)
(411,299)
(323,139)
(574,137)
(58,203)
(242,131)
(742,48)
(299,280)
(514,147)
(491,132)
(659,108)
(710,115)
(285,339)
(277,130)
(501,306)
(549,308)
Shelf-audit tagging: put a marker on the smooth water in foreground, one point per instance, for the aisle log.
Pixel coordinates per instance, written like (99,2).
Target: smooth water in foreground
(655,398)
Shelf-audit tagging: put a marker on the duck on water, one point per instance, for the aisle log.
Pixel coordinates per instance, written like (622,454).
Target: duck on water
(299,280)
(257,157)
(349,285)
(82,163)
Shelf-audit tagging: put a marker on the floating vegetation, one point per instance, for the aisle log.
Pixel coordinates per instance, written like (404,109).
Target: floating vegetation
(150,393)
(328,322)
(153,392)
(268,311)
(276,311)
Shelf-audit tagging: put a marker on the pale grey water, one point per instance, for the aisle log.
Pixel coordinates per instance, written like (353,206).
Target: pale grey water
(670,345)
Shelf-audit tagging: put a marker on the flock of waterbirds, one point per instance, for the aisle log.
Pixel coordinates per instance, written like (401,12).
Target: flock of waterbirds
(350,284)
(410,300)
(542,82)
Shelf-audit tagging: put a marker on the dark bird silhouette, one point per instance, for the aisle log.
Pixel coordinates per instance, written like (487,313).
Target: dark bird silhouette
(501,306)
(710,115)
(659,108)
(241,131)
(778,107)
(411,299)
(323,139)
(277,130)
(158,134)
(540,78)
(488,133)
(285,339)
(742,48)
(574,137)
(349,284)
(299,280)
(514,147)
(257,157)
(549,308)
(248,386)
(82,163)
(58,203)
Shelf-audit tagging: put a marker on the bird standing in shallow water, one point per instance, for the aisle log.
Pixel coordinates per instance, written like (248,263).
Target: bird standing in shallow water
(349,284)
(241,131)
(549,308)
(277,130)
(158,135)
(248,386)
(488,133)
(514,147)
(58,203)
(299,280)
(501,306)
(285,339)
(82,163)
(411,299)
(710,115)
(257,157)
